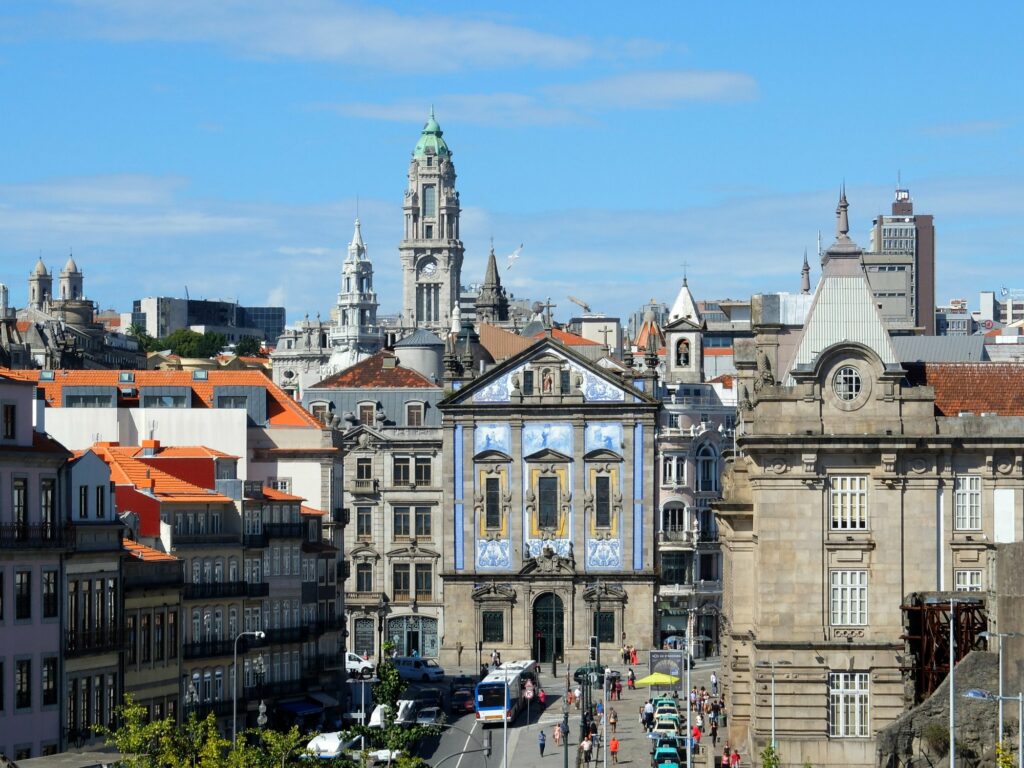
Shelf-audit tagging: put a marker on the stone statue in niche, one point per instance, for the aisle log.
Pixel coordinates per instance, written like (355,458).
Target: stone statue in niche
(547,383)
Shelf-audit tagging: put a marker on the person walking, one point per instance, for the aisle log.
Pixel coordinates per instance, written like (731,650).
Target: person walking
(576,696)
(556,734)
(613,718)
(585,747)
(714,735)
(542,697)
(541,741)
(613,747)
(725,756)
(631,680)
(714,684)
(494,659)
(734,759)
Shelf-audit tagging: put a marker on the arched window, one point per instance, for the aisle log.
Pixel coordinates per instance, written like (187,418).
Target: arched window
(707,469)
(683,353)
(674,519)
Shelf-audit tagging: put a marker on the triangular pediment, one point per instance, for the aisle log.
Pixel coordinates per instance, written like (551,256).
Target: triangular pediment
(492,456)
(547,454)
(601,454)
(413,551)
(363,435)
(363,552)
(684,324)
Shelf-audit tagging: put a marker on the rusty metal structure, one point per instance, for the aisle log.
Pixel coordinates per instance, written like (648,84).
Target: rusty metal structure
(926,619)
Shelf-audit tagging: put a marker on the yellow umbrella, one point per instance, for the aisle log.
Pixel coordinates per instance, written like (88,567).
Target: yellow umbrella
(657,678)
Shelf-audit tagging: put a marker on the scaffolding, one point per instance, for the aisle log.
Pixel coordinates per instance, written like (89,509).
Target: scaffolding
(926,619)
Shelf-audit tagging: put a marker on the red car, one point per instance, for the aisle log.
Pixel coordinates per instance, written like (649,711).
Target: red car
(462,701)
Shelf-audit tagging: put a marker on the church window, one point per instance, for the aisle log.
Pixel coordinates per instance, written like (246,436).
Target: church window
(428,231)
(366,413)
(527,382)
(364,577)
(492,503)
(602,501)
(429,200)
(683,353)
(494,626)
(414,415)
(846,383)
(563,381)
(547,496)
(604,626)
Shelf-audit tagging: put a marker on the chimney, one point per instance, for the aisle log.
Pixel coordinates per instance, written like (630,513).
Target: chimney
(150,447)
(39,411)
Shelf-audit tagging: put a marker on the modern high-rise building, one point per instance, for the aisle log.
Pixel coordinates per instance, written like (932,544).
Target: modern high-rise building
(900,266)
(160,316)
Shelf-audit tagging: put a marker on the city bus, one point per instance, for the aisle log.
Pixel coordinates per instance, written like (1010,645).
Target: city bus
(499,696)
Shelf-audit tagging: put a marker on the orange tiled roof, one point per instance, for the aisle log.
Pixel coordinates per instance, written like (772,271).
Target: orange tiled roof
(191,452)
(126,468)
(282,411)
(371,373)
(502,344)
(275,495)
(569,339)
(647,329)
(974,387)
(310,511)
(142,552)
(725,380)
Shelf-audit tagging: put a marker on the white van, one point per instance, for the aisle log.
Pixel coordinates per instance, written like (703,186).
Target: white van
(414,668)
(357,666)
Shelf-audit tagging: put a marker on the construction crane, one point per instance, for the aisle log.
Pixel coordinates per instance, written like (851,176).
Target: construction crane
(580,302)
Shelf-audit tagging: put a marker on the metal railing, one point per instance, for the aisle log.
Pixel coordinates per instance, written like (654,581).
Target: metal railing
(283,530)
(206,648)
(215,589)
(88,641)
(45,535)
(255,540)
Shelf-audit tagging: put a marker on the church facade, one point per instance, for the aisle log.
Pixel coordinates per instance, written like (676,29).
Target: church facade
(548,491)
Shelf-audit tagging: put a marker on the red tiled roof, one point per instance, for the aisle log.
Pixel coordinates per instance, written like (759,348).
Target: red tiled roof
(372,373)
(974,387)
(569,339)
(501,344)
(725,380)
(310,511)
(647,328)
(142,552)
(191,452)
(275,495)
(126,468)
(282,410)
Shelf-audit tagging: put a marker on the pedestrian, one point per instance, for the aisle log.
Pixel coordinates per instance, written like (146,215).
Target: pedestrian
(734,759)
(498,654)
(631,679)
(700,722)
(696,739)
(541,741)
(585,746)
(600,710)
(693,698)
(725,756)
(714,684)
(577,695)
(632,655)
(613,747)
(714,735)
(494,658)
(624,653)
(542,697)
(613,718)
(556,734)
(618,690)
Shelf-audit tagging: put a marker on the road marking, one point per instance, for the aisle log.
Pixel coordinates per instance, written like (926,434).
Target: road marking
(458,763)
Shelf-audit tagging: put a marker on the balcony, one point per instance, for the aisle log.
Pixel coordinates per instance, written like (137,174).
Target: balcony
(257,589)
(283,530)
(362,598)
(218,708)
(255,540)
(45,536)
(214,590)
(93,641)
(709,586)
(284,635)
(680,536)
(205,539)
(675,590)
(152,575)
(271,690)
(208,648)
(364,487)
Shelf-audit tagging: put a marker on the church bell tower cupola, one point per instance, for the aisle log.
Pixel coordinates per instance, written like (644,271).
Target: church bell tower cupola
(430,251)
(356,325)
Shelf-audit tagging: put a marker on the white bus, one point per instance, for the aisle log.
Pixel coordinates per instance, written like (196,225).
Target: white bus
(499,696)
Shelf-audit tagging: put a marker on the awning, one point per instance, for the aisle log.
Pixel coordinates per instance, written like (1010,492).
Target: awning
(300,707)
(323,698)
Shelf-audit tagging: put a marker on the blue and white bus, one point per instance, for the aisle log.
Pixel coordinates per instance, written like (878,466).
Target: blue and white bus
(499,696)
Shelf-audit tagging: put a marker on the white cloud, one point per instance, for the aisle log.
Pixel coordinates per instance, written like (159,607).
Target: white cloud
(657,89)
(358,35)
(479,109)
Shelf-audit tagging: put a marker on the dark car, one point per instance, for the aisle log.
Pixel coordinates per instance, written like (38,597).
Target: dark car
(463,681)
(582,674)
(428,697)
(462,701)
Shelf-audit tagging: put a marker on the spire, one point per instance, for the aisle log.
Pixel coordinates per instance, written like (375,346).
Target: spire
(40,268)
(842,217)
(456,320)
(491,276)
(684,306)
(492,303)
(805,275)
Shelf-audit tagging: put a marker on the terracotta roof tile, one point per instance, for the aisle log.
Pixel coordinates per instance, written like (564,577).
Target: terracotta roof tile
(569,339)
(127,468)
(275,495)
(372,373)
(142,552)
(502,344)
(310,511)
(973,387)
(724,379)
(282,410)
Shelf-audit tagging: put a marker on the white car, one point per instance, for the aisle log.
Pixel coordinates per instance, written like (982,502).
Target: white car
(357,666)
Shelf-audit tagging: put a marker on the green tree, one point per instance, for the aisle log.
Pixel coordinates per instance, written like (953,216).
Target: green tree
(188,343)
(248,346)
(1004,755)
(770,757)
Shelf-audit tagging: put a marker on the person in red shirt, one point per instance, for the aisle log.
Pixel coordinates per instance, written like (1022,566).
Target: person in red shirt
(734,759)
(613,747)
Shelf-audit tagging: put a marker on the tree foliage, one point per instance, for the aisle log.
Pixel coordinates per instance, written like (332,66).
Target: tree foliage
(187,343)
(1004,756)
(248,346)
(770,757)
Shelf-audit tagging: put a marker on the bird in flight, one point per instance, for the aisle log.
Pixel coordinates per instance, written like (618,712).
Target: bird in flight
(511,258)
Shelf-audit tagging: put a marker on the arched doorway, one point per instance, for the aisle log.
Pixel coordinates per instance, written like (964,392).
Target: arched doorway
(548,628)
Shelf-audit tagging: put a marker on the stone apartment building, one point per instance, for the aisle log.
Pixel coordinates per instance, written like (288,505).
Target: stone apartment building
(859,480)
(391,432)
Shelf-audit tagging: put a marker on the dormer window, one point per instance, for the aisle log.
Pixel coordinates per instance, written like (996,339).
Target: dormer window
(846,383)
(126,377)
(414,415)
(366,411)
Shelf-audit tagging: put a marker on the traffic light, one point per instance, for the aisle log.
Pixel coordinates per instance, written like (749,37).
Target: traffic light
(593,648)
(487,744)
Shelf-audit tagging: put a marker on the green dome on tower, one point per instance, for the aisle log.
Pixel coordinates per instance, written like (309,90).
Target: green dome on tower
(431,140)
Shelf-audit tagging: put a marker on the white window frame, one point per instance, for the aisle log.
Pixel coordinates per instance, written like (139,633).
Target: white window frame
(849,701)
(967,580)
(848,502)
(848,598)
(967,503)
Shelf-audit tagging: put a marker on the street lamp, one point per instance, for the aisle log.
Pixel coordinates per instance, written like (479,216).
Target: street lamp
(978,693)
(261,718)
(191,697)
(382,611)
(771,665)
(259,635)
(1001,636)
(565,724)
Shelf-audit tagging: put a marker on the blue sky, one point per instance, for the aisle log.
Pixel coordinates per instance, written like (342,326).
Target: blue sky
(222,145)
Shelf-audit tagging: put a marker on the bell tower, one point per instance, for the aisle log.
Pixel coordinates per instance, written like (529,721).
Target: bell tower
(430,251)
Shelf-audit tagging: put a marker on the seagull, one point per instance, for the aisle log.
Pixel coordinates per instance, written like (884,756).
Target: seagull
(511,258)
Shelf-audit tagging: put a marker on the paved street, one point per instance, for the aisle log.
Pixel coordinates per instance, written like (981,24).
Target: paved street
(523,748)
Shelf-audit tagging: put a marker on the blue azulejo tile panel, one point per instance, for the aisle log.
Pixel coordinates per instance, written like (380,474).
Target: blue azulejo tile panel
(492,437)
(546,435)
(493,553)
(638,462)
(495,392)
(638,537)
(460,479)
(561,547)
(460,555)
(603,435)
(596,389)
(604,553)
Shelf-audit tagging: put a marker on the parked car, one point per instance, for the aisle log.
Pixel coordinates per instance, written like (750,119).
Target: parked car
(412,668)
(582,674)
(665,755)
(462,701)
(430,716)
(357,666)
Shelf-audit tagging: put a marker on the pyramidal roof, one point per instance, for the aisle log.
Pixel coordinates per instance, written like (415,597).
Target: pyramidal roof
(684,306)
(356,249)
(844,308)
